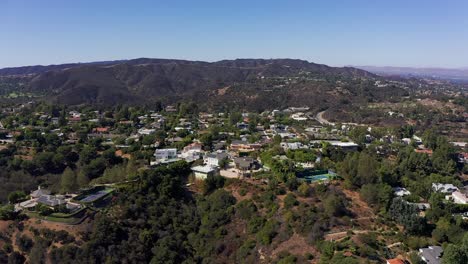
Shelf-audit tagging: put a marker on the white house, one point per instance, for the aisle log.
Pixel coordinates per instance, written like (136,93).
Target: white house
(165,154)
(444,187)
(202,172)
(351,146)
(400,191)
(292,146)
(214,159)
(191,152)
(458,197)
(286,135)
(299,116)
(191,155)
(146,131)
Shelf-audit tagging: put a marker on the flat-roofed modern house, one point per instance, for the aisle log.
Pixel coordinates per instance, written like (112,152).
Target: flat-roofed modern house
(348,146)
(165,154)
(458,197)
(214,159)
(444,187)
(203,172)
(146,131)
(292,145)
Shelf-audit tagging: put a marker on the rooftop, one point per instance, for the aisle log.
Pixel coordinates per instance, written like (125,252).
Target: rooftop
(203,169)
(431,254)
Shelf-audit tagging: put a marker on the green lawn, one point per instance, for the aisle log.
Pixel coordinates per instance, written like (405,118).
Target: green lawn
(59,217)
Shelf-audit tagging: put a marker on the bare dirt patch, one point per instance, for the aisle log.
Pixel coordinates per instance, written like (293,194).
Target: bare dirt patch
(74,230)
(223,91)
(357,206)
(296,245)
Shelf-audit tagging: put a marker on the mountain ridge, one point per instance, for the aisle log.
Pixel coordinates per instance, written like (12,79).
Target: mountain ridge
(251,83)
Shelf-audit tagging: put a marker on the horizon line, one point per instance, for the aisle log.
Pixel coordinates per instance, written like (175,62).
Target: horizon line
(238,58)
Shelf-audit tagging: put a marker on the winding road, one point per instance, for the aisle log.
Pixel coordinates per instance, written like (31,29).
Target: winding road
(321,120)
(319,117)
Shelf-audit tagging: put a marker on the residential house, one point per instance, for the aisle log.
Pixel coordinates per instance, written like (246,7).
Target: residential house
(286,135)
(275,112)
(400,191)
(244,146)
(298,109)
(395,261)
(39,192)
(214,159)
(126,122)
(74,119)
(406,141)
(51,200)
(347,146)
(242,126)
(203,172)
(219,145)
(444,188)
(458,197)
(174,139)
(314,129)
(463,157)
(101,130)
(28,204)
(246,164)
(55,120)
(299,116)
(424,151)
(146,131)
(292,145)
(170,109)
(421,206)
(165,154)
(156,116)
(191,152)
(6,141)
(431,254)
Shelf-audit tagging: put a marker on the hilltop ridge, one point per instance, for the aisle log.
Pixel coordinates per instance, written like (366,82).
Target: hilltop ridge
(147,80)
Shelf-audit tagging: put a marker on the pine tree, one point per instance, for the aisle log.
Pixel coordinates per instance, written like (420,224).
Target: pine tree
(68,181)
(82,179)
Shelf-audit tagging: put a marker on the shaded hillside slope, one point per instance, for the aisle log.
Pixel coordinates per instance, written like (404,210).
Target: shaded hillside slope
(250,83)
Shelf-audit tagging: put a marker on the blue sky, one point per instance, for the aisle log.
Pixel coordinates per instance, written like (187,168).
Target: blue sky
(348,32)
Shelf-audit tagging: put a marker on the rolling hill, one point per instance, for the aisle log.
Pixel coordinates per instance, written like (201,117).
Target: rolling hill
(246,83)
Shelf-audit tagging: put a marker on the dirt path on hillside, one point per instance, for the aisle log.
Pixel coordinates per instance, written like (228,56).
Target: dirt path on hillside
(296,245)
(337,236)
(321,120)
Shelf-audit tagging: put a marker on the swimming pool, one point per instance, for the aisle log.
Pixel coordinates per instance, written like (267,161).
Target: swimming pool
(315,178)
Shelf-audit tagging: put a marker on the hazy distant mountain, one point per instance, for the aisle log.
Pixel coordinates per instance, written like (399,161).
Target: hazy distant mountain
(35,69)
(249,83)
(438,73)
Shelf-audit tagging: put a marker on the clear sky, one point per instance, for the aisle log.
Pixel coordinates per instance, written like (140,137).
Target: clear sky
(348,32)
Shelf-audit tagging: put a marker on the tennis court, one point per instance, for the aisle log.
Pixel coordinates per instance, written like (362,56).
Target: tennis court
(92,197)
(314,176)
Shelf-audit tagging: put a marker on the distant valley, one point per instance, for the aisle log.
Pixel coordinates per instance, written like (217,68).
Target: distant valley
(455,74)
